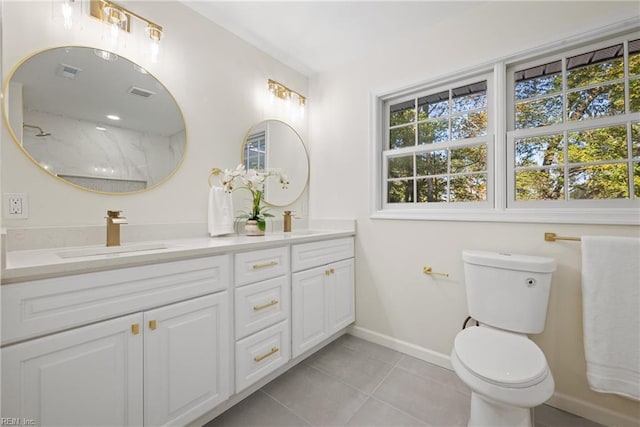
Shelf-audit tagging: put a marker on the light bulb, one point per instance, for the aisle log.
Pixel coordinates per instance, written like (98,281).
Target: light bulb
(155,34)
(155,50)
(67,14)
(115,32)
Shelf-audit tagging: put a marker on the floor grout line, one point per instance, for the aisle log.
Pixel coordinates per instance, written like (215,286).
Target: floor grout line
(286,407)
(397,367)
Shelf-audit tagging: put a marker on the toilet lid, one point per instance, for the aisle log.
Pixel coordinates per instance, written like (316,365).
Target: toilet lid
(499,357)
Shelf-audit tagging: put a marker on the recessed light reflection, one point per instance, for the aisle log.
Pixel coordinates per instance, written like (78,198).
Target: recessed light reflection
(140,69)
(113,117)
(101,128)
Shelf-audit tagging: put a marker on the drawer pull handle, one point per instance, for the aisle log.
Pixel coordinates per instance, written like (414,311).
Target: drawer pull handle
(268,264)
(274,350)
(263,306)
(153,325)
(135,329)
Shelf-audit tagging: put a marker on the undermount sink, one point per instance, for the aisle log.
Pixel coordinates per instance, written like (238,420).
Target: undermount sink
(108,250)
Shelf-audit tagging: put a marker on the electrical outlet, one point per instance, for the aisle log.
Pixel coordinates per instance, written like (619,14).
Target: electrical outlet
(16,206)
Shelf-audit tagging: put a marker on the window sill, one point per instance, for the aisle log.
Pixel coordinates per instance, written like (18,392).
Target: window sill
(556,216)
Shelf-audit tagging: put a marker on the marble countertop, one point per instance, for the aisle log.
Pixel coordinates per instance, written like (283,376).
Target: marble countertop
(36,264)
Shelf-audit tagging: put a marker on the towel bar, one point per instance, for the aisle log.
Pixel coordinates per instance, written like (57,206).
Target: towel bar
(552,237)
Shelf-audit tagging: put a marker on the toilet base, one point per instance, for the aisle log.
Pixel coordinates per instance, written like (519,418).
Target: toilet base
(486,412)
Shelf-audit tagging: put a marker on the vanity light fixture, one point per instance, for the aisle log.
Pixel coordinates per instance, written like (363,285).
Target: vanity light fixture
(120,18)
(281,91)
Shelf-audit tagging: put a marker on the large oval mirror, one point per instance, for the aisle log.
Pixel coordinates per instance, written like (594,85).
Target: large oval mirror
(94,120)
(273,144)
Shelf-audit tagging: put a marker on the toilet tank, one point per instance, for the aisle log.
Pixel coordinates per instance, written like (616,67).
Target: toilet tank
(508,291)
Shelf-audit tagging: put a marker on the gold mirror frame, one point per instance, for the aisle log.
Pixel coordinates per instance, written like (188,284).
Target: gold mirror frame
(297,184)
(7,121)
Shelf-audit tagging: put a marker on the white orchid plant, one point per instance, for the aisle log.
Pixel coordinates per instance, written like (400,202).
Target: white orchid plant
(253,181)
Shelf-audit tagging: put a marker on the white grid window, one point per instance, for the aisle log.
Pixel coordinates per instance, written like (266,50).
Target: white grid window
(573,138)
(552,135)
(437,144)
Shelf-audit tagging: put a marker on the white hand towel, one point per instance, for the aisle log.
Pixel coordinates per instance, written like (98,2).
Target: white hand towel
(611,314)
(220,216)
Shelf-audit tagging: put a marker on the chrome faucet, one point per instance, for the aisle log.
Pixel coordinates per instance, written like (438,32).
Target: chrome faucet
(113,227)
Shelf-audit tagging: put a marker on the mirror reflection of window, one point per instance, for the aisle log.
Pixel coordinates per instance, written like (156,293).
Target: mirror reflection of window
(255,152)
(276,146)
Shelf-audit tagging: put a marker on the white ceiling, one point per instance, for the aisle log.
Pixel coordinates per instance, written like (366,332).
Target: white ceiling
(316,36)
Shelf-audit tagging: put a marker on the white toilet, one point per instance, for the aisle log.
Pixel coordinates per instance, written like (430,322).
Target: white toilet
(508,374)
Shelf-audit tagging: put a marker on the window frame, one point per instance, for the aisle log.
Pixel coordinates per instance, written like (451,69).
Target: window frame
(569,126)
(592,212)
(488,139)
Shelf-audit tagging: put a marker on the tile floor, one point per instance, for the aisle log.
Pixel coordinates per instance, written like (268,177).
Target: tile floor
(353,382)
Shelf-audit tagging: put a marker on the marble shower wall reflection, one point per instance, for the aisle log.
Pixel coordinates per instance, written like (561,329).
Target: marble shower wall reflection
(110,160)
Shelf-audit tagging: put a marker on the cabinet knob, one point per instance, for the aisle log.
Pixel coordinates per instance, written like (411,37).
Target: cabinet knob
(153,325)
(135,328)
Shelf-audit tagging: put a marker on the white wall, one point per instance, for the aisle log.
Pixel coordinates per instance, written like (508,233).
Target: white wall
(393,297)
(218,81)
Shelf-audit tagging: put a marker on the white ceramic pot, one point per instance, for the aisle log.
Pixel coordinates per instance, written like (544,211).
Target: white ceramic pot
(251,228)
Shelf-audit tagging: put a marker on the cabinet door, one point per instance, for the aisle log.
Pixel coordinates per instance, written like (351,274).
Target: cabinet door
(87,376)
(341,295)
(309,293)
(186,359)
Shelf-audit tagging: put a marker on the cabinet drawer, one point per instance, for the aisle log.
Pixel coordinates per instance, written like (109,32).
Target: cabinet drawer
(262,353)
(309,255)
(259,265)
(261,305)
(39,307)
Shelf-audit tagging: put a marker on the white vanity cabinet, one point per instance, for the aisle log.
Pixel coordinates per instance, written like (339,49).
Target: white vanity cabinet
(156,366)
(322,291)
(87,376)
(139,342)
(262,313)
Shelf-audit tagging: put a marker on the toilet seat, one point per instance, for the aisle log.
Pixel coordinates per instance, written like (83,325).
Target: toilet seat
(501,358)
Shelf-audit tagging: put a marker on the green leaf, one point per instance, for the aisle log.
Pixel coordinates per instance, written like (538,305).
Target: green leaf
(262,224)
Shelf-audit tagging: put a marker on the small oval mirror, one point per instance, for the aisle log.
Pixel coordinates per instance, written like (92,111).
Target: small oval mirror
(273,144)
(94,120)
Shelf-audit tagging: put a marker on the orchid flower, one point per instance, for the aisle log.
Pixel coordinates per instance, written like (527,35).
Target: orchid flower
(253,181)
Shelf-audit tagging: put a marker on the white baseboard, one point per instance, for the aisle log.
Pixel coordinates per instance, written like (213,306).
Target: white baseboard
(579,407)
(416,351)
(593,412)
